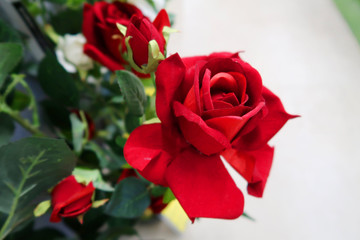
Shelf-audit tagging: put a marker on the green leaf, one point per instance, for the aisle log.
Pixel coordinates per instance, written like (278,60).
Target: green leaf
(11,54)
(28,168)
(133,90)
(92,175)
(8,34)
(131,122)
(107,157)
(7,128)
(129,200)
(57,83)
(158,191)
(77,129)
(19,101)
(168,196)
(56,1)
(42,208)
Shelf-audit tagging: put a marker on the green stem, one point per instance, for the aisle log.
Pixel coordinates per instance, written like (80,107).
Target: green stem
(23,122)
(18,193)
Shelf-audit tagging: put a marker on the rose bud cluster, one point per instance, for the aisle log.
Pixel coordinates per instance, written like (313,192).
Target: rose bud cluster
(139,42)
(71,199)
(209,106)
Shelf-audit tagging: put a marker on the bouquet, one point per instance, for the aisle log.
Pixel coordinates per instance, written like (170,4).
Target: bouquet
(115,129)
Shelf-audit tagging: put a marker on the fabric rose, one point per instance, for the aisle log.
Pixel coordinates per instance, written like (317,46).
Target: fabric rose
(209,106)
(70,199)
(145,42)
(102,35)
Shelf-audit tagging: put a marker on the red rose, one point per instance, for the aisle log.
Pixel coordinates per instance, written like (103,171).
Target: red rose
(102,35)
(208,106)
(70,199)
(141,32)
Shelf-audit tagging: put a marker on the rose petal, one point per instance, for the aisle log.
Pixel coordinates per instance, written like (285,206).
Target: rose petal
(227,125)
(264,129)
(65,189)
(104,59)
(192,100)
(241,161)
(143,145)
(206,139)
(203,186)
(224,82)
(241,89)
(205,91)
(234,111)
(263,161)
(161,20)
(155,170)
(138,44)
(88,24)
(169,75)
(79,200)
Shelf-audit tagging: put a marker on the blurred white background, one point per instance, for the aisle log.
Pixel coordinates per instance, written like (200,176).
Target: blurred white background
(308,56)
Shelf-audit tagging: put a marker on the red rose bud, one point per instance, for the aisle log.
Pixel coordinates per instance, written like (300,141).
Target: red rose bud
(103,38)
(90,123)
(145,42)
(70,199)
(209,106)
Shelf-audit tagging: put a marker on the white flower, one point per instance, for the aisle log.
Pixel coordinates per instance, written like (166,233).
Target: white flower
(69,52)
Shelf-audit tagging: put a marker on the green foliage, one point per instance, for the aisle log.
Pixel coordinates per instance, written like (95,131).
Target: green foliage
(7,128)
(19,100)
(11,54)
(168,196)
(57,83)
(8,34)
(129,200)
(27,168)
(61,21)
(133,90)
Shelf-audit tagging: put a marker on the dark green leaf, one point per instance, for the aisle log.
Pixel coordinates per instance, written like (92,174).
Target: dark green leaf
(27,168)
(19,101)
(57,114)
(11,54)
(129,200)
(131,122)
(57,83)
(61,21)
(133,90)
(8,34)
(7,128)
(158,191)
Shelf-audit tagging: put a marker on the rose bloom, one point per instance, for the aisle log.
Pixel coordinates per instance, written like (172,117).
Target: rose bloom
(209,106)
(70,199)
(102,35)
